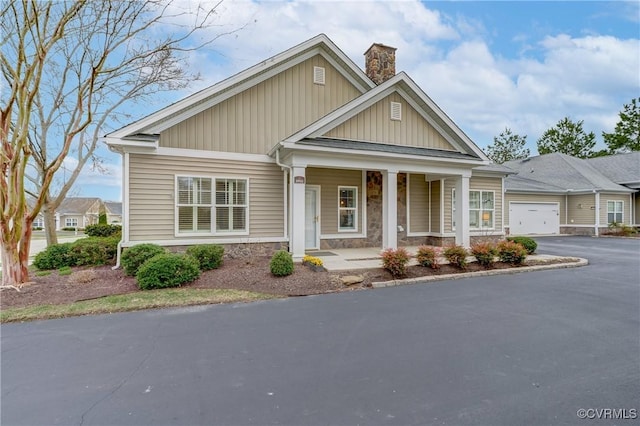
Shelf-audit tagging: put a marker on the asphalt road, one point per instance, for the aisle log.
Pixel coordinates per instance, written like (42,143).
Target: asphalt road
(524,349)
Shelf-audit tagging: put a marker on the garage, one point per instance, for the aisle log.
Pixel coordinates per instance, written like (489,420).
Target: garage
(534,218)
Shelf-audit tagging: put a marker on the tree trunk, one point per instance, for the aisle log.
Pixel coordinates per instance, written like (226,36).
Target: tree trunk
(15,259)
(49,216)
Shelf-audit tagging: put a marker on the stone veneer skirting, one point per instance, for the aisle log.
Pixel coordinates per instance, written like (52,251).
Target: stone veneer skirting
(242,250)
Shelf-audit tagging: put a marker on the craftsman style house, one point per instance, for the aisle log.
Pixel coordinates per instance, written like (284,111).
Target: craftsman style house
(306,151)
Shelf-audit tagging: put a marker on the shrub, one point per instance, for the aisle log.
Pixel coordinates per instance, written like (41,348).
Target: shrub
(167,270)
(456,255)
(511,252)
(281,264)
(133,257)
(528,243)
(485,254)
(208,255)
(428,257)
(102,230)
(53,257)
(395,261)
(94,250)
(69,228)
(621,229)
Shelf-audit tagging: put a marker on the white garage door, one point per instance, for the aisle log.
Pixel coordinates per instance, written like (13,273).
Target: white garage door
(534,218)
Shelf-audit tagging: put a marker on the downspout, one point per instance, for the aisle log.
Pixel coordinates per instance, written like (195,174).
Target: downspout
(122,233)
(287,201)
(597,212)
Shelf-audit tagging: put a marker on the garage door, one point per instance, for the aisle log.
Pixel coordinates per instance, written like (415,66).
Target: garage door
(534,218)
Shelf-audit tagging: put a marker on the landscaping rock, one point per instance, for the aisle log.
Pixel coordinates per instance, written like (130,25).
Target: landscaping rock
(352,279)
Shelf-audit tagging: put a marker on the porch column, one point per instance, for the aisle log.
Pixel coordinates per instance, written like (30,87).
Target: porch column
(296,234)
(389,209)
(597,213)
(462,211)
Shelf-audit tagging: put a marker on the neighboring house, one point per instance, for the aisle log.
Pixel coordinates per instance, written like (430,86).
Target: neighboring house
(306,151)
(560,194)
(78,212)
(114,212)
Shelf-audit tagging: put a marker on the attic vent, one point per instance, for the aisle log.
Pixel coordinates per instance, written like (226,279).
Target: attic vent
(318,75)
(396,111)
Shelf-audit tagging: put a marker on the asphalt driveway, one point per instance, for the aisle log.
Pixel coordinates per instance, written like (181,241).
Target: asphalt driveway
(525,349)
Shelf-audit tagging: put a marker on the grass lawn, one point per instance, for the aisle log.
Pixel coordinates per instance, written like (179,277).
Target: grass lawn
(132,302)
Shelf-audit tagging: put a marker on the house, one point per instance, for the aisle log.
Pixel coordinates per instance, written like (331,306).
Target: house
(78,212)
(113,211)
(560,194)
(306,151)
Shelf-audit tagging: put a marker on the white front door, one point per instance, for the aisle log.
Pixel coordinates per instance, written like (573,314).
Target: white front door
(312,217)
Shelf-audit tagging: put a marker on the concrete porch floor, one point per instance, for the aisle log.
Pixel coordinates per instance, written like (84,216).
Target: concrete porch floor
(356,258)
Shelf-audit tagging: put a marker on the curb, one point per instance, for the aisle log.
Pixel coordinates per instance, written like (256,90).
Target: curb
(579,262)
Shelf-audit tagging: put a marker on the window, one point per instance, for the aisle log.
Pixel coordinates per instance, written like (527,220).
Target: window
(71,222)
(481,209)
(347,208)
(38,223)
(197,207)
(614,211)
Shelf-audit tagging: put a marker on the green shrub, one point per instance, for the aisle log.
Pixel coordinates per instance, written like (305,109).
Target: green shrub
(456,255)
(528,243)
(55,256)
(281,264)
(511,252)
(133,257)
(395,261)
(94,250)
(102,219)
(167,270)
(69,228)
(427,257)
(102,230)
(485,253)
(208,255)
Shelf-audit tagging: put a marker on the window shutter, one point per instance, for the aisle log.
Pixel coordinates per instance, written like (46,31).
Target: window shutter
(318,75)
(396,111)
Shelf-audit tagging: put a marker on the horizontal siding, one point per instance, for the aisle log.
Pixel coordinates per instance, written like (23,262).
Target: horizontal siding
(329,180)
(152,192)
(534,198)
(375,125)
(475,184)
(418,203)
(626,213)
(254,120)
(435,206)
(581,209)
(449,184)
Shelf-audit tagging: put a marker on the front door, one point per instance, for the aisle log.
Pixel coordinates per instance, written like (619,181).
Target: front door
(312,217)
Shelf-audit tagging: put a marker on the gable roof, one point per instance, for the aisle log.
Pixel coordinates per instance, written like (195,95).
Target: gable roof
(76,205)
(403,85)
(622,169)
(144,129)
(113,207)
(557,170)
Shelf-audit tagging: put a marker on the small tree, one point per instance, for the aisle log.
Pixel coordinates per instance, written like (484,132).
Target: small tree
(568,138)
(508,146)
(626,136)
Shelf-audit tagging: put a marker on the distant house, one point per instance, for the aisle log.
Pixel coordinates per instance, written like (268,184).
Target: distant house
(78,212)
(560,194)
(114,212)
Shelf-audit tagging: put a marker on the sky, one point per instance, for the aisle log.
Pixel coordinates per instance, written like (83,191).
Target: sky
(488,64)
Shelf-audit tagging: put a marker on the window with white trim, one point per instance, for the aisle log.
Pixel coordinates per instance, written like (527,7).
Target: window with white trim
(71,222)
(198,208)
(481,209)
(347,208)
(38,223)
(615,210)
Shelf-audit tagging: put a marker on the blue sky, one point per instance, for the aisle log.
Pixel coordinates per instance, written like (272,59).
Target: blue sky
(488,65)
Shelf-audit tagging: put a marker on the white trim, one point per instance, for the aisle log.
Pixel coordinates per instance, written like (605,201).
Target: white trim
(481,209)
(572,225)
(430,212)
(341,236)
(285,212)
(502,205)
(355,209)
(614,201)
(317,188)
(442,204)
(597,213)
(408,204)
(363,204)
(213,155)
(125,197)
(208,240)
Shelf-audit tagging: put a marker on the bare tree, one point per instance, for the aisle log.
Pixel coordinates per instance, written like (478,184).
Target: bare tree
(70,66)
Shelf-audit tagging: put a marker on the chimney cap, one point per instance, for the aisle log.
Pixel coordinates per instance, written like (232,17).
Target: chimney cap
(380,45)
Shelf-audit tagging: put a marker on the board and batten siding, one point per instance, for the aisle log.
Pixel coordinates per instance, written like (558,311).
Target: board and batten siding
(329,180)
(254,120)
(533,198)
(626,211)
(152,194)
(418,203)
(374,124)
(475,184)
(581,209)
(435,206)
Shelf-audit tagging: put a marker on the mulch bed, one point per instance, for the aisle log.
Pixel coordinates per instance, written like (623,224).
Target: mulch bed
(239,274)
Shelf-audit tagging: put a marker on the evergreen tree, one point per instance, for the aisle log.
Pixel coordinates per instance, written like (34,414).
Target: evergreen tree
(568,138)
(508,146)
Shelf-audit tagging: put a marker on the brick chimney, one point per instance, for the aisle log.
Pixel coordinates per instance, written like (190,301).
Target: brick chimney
(380,62)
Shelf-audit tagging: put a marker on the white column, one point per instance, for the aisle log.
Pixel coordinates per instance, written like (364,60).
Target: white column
(597,213)
(296,233)
(389,209)
(462,211)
